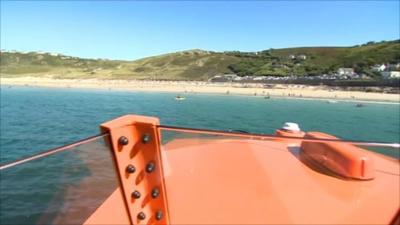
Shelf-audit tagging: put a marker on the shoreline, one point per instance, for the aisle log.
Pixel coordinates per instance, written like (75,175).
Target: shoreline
(303,92)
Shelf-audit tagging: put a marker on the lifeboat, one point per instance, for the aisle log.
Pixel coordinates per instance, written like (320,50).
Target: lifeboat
(140,172)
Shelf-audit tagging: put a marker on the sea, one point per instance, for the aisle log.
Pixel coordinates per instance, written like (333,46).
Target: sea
(35,119)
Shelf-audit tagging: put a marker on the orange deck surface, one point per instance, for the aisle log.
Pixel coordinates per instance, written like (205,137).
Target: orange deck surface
(237,181)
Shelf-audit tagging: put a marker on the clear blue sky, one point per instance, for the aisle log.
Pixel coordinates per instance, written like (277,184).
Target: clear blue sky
(136,29)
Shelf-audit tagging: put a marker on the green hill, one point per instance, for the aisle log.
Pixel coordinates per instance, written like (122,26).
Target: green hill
(319,60)
(201,65)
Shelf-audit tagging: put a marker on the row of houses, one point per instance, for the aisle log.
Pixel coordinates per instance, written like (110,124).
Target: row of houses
(349,72)
(386,67)
(236,78)
(387,71)
(341,74)
(390,74)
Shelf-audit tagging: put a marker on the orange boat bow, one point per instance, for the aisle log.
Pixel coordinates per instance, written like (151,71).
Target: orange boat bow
(219,179)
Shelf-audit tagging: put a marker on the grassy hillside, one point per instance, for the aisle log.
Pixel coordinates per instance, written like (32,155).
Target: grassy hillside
(318,60)
(201,65)
(186,65)
(53,65)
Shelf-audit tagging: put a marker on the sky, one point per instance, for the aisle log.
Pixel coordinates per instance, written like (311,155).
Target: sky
(131,30)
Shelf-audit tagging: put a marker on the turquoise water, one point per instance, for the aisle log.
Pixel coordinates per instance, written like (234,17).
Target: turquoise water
(35,119)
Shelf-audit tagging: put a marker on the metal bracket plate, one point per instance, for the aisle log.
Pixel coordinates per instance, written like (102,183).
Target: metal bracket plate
(137,156)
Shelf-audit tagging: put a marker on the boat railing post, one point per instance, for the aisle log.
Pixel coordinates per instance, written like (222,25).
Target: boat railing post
(136,150)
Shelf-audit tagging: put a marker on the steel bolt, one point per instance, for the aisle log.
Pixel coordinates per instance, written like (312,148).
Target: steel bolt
(155,192)
(123,140)
(141,216)
(136,194)
(159,215)
(150,167)
(130,169)
(145,138)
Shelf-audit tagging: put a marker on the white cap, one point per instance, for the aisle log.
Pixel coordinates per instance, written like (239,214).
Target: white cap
(291,126)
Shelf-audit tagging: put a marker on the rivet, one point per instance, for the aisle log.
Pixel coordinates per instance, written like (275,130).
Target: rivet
(141,216)
(130,169)
(136,194)
(150,167)
(155,192)
(123,140)
(145,138)
(159,215)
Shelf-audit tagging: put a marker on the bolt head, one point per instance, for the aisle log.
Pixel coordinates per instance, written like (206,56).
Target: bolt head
(136,194)
(146,138)
(150,167)
(123,140)
(155,192)
(130,168)
(141,216)
(159,215)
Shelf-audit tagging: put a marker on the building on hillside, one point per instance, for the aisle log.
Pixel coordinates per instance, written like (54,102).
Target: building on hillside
(379,68)
(392,67)
(345,71)
(390,74)
(302,57)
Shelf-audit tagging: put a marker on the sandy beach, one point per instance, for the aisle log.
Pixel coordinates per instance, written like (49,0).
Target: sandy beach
(277,90)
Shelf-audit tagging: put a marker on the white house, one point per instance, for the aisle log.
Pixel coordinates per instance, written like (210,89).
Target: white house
(345,71)
(379,68)
(302,56)
(390,74)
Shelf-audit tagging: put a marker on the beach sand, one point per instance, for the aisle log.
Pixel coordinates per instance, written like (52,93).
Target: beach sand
(276,90)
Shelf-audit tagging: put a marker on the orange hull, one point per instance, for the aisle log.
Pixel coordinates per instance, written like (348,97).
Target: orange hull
(240,180)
